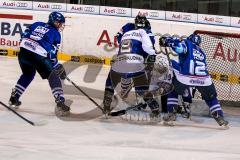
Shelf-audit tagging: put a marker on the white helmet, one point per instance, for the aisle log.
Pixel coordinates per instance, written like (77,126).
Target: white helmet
(161,64)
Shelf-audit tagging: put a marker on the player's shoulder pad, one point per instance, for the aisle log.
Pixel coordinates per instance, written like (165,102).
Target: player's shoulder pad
(142,31)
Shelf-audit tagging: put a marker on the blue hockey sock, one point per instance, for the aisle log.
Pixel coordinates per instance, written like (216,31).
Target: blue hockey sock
(56,86)
(22,83)
(214,106)
(172,101)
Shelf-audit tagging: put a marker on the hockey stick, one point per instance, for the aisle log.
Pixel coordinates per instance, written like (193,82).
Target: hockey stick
(19,115)
(124,111)
(76,86)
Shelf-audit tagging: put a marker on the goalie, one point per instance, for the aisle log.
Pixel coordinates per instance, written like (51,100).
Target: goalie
(191,71)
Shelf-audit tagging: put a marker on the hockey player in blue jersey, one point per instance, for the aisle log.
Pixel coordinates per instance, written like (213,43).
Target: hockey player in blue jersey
(191,71)
(141,44)
(38,53)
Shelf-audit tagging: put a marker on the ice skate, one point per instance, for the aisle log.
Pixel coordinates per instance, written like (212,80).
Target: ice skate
(155,113)
(185,111)
(108,95)
(169,119)
(13,101)
(61,109)
(220,119)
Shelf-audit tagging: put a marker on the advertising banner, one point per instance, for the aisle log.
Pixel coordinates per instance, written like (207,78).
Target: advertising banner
(181,16)
(46,6)
(214,19)
(115,11)
(235,21)
(16,4)
(83,9)
(81,36)
(153,14)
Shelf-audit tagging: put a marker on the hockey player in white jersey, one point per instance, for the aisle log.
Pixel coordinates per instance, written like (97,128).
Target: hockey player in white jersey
(191,71)
(135,48)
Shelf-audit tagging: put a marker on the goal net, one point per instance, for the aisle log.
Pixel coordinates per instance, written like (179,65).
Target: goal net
(223,61)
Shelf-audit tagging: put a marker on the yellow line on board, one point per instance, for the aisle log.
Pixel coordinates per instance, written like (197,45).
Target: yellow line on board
(230,78)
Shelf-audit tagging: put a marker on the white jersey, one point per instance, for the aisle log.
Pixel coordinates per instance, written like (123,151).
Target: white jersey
(135,46)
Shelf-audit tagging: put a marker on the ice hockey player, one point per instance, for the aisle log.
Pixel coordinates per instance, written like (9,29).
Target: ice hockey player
(38,52)
(191,71)
(142,45)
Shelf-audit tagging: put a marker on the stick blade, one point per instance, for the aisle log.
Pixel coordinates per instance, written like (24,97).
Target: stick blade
(40,123)
(117,113)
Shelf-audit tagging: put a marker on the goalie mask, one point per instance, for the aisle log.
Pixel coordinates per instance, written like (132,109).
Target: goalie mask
(196,39)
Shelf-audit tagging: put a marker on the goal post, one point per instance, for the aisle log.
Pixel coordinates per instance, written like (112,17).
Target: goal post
(223,61)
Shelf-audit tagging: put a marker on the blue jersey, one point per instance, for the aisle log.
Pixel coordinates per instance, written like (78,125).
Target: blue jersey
(41,38)
(191,69)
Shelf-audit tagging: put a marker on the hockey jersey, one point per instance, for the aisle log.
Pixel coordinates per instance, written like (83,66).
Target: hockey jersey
(135,46)
(131,26)
(191,69)
(137,41)
(41,38)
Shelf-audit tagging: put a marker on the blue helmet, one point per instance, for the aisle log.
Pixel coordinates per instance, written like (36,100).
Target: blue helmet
(56,17)
(196,39)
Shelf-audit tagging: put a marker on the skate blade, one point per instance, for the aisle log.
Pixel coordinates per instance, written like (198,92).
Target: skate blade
(225,127)
(155,119)
(169,123)
(60,113)
(41,123)
(13,107)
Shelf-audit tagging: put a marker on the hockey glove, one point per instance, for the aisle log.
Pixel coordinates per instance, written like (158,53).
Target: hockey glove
(52,55)
(60,71)
(150,59)
(149,62)
(162,41)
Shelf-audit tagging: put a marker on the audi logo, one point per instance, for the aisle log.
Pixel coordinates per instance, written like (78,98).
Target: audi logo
(153,14)
(55,6)
(21,4)
(89,9)
(121,11)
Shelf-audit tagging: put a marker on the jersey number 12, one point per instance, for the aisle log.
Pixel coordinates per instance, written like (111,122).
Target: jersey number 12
(198,68)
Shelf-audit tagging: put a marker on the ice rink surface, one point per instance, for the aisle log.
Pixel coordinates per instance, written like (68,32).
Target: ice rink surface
(85,135)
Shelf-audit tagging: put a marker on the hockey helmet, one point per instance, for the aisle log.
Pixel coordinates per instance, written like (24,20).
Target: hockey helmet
(141,22)
(56,17)
(196,39)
